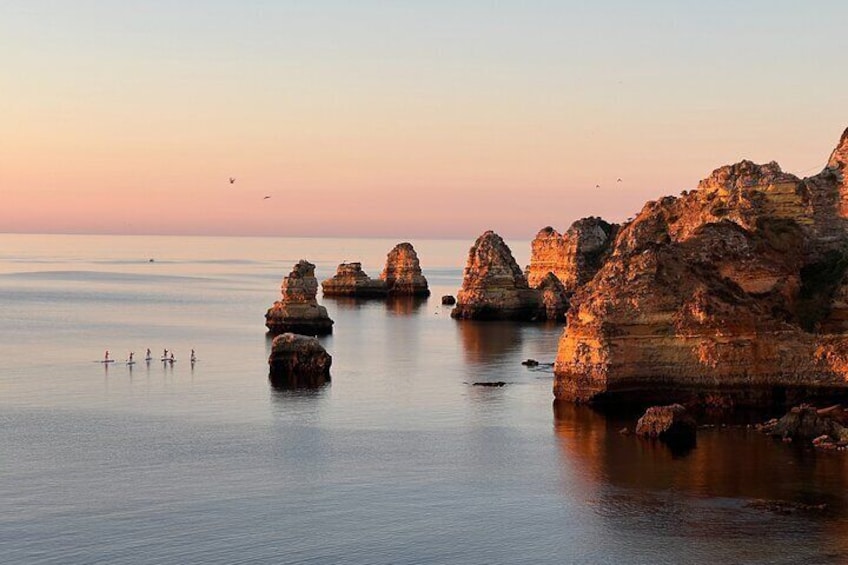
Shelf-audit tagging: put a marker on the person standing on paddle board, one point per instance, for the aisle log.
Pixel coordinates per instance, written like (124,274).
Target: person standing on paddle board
(130,360)
(106,357)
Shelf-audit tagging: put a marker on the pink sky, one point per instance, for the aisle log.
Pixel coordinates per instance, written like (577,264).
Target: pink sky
(418,122)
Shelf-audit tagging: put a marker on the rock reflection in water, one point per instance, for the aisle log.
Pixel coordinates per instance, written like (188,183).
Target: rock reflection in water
(719,488)
(404,305)
(489,342)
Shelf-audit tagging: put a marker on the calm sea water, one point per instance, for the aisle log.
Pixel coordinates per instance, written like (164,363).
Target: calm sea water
(398,460)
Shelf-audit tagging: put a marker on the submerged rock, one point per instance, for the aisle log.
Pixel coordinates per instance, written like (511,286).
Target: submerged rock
(298,361)
(671,424)
(402,273)
(298,310)
(351,280)
(493,286)
(738,289)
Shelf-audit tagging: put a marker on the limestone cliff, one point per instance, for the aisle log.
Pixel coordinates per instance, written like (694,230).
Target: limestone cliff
(731,293)
(298,311)
(351,280)
(493,286)
(573,257)
(402,273)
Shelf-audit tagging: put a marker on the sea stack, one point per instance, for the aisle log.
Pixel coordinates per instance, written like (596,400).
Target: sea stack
(493,286)
(402,274)
(350,280)
(298,361)
(298,311)
(735,293)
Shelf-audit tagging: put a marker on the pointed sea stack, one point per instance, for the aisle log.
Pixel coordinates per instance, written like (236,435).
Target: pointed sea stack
(350,280)
(493,286)
(732,294)
(402,274)
(298,310)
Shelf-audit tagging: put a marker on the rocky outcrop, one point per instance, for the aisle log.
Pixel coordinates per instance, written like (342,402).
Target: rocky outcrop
(298,311)
(350,280)
(806,423)
(671,424)
(448,300)
(298,361)
(402,274)
(733,292)
(573,257)
(493,286)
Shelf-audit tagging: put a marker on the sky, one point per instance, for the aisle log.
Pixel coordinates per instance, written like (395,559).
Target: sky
(399,118)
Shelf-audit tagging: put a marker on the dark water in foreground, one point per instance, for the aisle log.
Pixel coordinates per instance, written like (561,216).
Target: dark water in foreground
(399,460)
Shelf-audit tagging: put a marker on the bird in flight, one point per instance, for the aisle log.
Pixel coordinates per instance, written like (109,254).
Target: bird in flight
(619,180)
(597,186)
(232,180)
(266,198)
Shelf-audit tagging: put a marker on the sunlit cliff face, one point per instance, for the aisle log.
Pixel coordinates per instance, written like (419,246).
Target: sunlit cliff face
(729,287)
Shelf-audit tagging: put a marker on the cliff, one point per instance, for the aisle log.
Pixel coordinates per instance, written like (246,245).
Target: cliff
(351,280)
(298,311)
(733,293)
(402,274)
(493,286)
(573,257)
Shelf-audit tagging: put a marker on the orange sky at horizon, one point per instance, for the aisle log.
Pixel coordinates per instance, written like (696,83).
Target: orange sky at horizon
(399,123)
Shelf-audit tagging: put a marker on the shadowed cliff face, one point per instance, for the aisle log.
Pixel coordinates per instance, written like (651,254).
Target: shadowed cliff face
(737,289)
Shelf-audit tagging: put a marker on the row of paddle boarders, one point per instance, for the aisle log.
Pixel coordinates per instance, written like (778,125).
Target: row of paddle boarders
(167,357)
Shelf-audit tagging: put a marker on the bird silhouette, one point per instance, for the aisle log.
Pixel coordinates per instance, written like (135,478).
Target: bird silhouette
(619,180)
(266,198)
(232,180)
(597,186)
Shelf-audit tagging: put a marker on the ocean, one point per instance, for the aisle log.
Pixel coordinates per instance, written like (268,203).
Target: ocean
(399,460)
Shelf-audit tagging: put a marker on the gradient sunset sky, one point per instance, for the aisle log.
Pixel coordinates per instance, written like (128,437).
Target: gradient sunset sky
(399,118)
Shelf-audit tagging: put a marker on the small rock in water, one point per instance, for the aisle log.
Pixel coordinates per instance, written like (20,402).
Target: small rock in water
(448,300)
(671,424)
(530,363)
(298,361)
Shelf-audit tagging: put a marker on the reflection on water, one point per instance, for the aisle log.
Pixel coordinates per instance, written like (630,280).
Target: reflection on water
(353,303)
(287,391)
(734,463)
(404,305)
(488,342)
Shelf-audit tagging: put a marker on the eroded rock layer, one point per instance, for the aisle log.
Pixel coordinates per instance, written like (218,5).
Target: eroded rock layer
(493,286)
(734,291)
(298,310)
(351,280)
(573,257)
(402,274)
